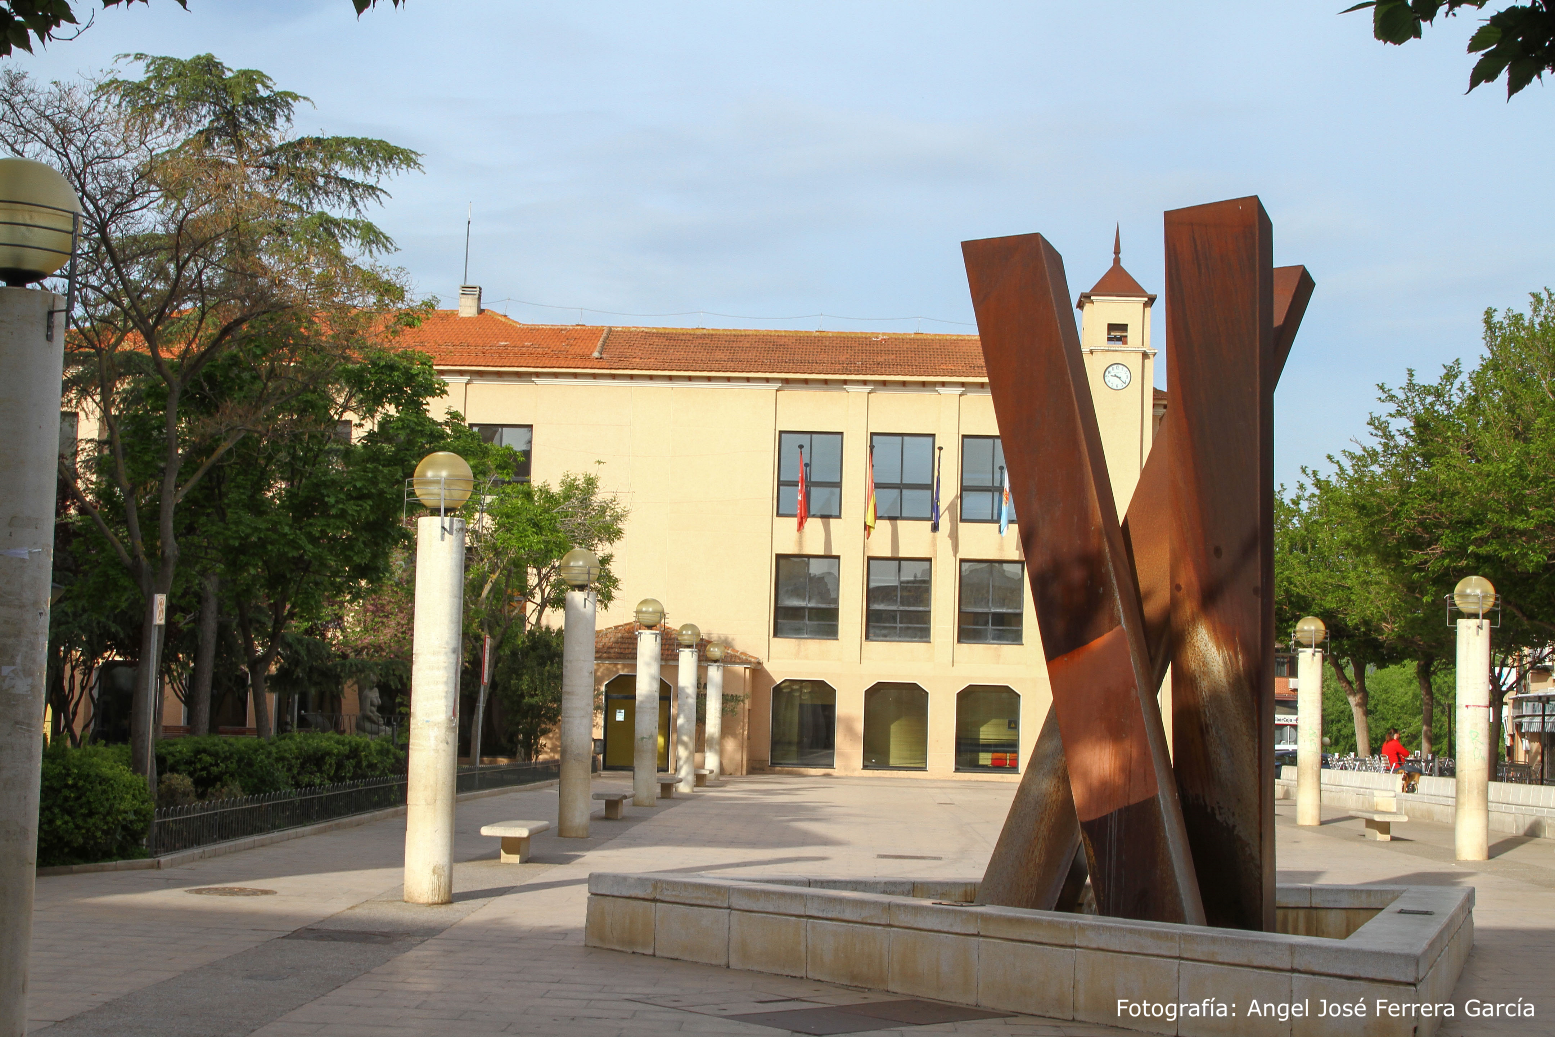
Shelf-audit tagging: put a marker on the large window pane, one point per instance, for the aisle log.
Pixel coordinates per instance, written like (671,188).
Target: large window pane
(805,599)
(804,724)
(904,474)
(982,478)
(992,603)
(518,437)
(900,595)
(987,728)
(896,727)
(823,478)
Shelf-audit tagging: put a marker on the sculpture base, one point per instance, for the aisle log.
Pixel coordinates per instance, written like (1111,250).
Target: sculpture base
(1338,947)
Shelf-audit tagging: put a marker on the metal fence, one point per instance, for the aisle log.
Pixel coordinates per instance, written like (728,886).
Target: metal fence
(214,821)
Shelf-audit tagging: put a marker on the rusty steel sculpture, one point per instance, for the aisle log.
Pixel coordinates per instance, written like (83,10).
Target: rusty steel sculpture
(1184,580)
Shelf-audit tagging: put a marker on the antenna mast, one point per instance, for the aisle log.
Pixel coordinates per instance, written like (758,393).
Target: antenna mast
(468,218)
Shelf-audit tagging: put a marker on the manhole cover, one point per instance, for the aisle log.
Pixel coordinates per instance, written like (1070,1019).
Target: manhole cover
(231,891)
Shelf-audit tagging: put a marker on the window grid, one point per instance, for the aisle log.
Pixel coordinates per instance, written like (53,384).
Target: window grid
(992,608)
(823,481)
(519,437)
(904,475)
(982,466)
(900,593)
(806,597)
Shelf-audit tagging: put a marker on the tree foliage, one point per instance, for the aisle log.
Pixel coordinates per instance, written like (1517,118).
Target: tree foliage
(23,21)
(1518,41)
(212,236)
(1453,479)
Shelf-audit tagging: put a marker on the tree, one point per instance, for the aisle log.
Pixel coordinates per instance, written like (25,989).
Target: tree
(514,554)
(203,216)
(22,21)
(1518,41)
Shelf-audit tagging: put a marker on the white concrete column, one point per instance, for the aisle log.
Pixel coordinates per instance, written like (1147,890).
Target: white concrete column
(29,472)
(577,722)
(645,747)
(713,757)
(1472,814)
(434,711)
(1309,736)
(686,720)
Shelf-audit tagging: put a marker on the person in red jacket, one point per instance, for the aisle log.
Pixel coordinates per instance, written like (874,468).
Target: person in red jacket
(1394,750)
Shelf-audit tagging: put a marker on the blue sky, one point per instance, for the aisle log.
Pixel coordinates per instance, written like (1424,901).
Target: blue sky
(781,159)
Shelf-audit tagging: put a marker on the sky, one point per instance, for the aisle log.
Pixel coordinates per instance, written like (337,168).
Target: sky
(775,161)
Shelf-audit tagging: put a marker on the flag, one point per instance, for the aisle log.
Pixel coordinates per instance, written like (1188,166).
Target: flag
(802,510)
(869,497)
(1004,500)
(934,513)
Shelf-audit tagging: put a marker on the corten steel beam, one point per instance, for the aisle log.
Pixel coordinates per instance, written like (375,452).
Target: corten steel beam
(1030,864)
(1082,583)
(1221,369)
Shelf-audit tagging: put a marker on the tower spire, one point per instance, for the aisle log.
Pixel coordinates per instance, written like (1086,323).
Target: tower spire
(1117,245)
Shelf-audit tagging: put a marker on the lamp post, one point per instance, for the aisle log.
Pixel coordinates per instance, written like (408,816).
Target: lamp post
(38,221)
(579,569)
(645,743)
(713,755)
(1310,632)
(686,708)
(442,483)
(1474,596)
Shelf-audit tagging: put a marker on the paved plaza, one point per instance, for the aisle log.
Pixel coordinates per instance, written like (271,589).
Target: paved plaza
(332,950)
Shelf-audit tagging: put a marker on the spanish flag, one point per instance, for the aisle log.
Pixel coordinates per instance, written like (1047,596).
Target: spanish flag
(802,510)
(869,497)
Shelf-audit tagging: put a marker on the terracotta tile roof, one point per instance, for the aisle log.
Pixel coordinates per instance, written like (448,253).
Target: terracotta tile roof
(619,644)
(1119,282)
(492,340)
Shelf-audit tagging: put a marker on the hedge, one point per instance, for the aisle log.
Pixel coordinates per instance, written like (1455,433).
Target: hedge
(287,761)
(92,806)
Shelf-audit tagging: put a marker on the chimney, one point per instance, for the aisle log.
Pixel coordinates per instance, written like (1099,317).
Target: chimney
(469,300)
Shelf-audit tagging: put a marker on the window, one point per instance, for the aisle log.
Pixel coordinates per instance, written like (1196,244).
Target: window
(519,437)
(804,724)
(823,481)
(1117,334)
(343,430)
(987,728)
(904,476)
(896,727)
(982,479)
(1283,667)
(806,597)
(898,599)
(991,603)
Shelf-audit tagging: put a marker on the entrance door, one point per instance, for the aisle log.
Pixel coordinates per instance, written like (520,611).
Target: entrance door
(621,722)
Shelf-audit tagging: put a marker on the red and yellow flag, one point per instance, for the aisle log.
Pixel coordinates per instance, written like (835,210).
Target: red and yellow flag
(869,497)
(803,509)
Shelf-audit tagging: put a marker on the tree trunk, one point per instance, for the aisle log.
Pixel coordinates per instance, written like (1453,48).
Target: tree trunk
(146,706)
(1423,667)
(1497,701)
(1355,692)
(205,656)
(258,670)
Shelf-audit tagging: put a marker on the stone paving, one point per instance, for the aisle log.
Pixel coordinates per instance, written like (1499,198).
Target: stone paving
(334,951)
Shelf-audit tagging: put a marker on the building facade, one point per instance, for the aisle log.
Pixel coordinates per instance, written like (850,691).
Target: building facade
(912,647)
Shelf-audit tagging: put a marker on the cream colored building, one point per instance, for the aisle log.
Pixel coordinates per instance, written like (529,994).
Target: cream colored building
(903,650)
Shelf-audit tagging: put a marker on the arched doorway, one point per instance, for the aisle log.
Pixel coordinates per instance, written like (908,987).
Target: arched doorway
(987,728)
(621,722)
(896,727)
(804,724)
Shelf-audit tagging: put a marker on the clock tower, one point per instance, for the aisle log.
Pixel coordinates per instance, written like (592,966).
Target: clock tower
(1115,338)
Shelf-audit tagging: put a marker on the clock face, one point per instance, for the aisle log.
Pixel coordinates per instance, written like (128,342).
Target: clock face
(1116,376)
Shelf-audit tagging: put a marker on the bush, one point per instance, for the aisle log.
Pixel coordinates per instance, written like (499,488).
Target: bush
(92,806)
(175,790)
(216,764)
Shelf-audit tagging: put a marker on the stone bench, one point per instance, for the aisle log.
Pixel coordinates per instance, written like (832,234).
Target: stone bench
(702,776)
(1379,823)
(667,784)
(613,803)
(515,838)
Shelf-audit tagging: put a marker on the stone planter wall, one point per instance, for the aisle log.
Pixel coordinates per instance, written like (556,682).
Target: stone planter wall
(1527,810)
(923,939)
